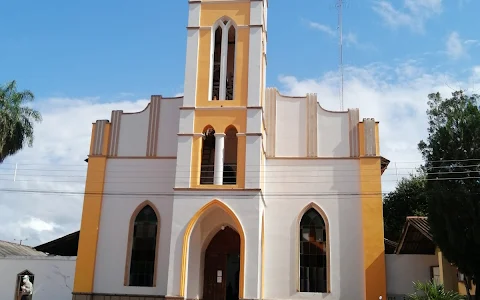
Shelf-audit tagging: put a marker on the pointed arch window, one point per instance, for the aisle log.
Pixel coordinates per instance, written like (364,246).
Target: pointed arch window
(313,253)
(144,248)
(224,35)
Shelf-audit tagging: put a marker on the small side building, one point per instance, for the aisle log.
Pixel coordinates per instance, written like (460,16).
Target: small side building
(51,274)
(416,257)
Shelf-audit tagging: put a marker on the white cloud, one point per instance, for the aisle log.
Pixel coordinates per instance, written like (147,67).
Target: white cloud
(38,225)
(454,46)
(55,163)
(395,95)
(414,15)
(471,42)
(349,38)
(424,6)
(324,28)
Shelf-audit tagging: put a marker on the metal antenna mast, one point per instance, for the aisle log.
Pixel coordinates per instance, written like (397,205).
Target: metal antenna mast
(340,37)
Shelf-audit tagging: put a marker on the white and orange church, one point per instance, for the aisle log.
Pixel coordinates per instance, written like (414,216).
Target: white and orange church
(232,191)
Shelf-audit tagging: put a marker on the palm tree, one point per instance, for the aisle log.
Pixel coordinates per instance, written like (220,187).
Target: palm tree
(431,290)
(16,119)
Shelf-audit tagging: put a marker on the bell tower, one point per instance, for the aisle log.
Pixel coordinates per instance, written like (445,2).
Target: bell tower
(224,92)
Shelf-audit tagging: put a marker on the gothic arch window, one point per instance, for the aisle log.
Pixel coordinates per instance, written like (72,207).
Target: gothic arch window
(224,36)
(24,285)
(313,253)
(143,246)
(230,158)
(208,155)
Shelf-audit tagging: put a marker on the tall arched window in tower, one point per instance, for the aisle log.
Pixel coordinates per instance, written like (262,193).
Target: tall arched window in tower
(230,80)
(223,59)
(144,248)
(313,253)
(208,156)
(217,54)
(230,160)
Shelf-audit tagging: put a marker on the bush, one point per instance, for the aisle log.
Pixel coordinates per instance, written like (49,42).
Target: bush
(433,291)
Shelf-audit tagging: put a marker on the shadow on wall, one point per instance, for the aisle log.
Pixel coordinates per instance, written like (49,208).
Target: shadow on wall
(372,271)
(350,236)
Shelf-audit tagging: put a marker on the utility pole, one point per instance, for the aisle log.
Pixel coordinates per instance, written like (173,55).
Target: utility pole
(20,241)
(340,48)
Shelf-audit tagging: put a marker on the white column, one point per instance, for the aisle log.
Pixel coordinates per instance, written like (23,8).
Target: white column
(219,157)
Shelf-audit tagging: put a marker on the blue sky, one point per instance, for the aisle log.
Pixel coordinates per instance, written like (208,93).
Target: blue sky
(104,48)
(83,59)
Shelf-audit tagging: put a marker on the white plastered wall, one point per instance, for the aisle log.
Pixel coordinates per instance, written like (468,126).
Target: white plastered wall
(53,276)
(132,138)
(291,129)
(134,129)
(128,183)
(404,269)
(291,185)
(245,205)
(261,222)
(332,133)
(168,126)
(255,54)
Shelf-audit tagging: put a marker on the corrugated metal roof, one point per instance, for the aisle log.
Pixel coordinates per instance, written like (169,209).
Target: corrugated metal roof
(64,246)
(422,225)
(12,249)
(390,243)
(416,237)
(390,246)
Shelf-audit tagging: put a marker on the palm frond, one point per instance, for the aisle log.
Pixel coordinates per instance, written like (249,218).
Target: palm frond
(16,119)
(431,290)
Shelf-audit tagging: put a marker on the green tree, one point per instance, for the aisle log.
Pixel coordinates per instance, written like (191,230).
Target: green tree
(432,291)
(408,199)
(452,161)
(16,119)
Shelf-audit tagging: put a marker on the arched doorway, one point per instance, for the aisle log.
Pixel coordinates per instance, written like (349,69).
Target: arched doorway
(222,266)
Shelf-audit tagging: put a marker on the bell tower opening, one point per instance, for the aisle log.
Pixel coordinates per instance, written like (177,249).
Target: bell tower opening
(224,35)
(217,54)
(230,160)
(208,156)
(231,63)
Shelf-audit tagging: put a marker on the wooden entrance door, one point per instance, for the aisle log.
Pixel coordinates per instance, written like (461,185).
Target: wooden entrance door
(220,278)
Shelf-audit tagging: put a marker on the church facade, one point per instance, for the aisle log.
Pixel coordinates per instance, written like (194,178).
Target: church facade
(232,191)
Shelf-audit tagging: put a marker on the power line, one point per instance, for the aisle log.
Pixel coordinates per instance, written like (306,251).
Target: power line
(84,165)
(234,194)
(143,182)
(217,192)
(294,171)
(192,194)
(292,174)
(272,165)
